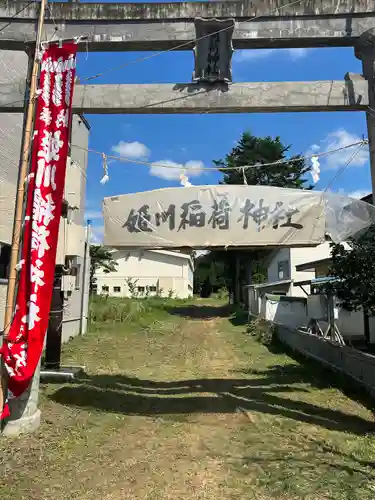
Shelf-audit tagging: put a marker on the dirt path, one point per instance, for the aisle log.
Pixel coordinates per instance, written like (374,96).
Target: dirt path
(186,406)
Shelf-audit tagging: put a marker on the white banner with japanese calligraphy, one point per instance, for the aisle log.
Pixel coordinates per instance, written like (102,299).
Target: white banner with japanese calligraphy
(231,216)
(45,191)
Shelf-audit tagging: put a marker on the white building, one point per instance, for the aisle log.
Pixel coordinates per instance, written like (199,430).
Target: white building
(282,273)
(151,272)
(286,297)
(71,246)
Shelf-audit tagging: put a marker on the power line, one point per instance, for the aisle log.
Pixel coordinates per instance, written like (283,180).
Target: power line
(344,167)
(219,169)
(184,44)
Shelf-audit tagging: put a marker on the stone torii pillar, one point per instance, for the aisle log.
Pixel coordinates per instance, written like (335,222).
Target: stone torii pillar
(365,51)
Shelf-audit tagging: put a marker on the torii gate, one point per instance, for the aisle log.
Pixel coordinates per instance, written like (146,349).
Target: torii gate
(165,26)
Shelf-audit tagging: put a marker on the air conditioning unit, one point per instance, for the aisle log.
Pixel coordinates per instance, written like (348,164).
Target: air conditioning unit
(74,267)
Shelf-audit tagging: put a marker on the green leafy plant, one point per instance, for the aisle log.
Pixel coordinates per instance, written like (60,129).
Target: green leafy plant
(354,270)
(132,286)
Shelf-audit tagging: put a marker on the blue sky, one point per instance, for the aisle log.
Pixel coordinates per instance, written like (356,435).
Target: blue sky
(203,138)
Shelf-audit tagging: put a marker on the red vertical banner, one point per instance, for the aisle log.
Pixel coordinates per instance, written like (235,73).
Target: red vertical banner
(23,346)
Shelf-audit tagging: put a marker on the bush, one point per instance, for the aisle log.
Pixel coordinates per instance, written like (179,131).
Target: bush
(262,331)
(120,310)
(221,294)
(140,311)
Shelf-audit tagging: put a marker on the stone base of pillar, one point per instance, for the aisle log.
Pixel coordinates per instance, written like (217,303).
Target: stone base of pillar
(24,411)
(23,425)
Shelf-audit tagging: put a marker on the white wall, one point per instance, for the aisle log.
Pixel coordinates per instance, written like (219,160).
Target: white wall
(289,313)
(273,271)
(294,314)
(297,256)
(162,269)
(307,254)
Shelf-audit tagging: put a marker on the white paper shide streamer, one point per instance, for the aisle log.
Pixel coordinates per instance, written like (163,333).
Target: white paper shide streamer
(315,171)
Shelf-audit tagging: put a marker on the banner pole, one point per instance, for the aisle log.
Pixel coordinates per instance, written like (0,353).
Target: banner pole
(18,212)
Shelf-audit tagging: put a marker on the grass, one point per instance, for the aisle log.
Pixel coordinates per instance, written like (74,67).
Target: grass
(180,401)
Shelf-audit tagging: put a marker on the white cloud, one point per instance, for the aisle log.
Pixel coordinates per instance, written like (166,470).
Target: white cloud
(247,55)
(191,168)
(93,215)
(339,139)
(131,150)
(96,236)
(359,193)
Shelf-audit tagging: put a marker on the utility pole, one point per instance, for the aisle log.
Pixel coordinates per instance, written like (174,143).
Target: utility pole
(23,172)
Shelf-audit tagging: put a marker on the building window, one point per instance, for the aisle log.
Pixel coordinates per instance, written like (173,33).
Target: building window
(283,269)
(117,289)
(4,260)
(141,289)
(105,289)
(152,288)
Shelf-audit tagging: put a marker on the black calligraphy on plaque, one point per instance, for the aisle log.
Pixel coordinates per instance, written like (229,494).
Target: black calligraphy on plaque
(212,70)
(167,215)
(256,214)
(286,216)
(192,215)
(138,221)
(262,213)
(220,214)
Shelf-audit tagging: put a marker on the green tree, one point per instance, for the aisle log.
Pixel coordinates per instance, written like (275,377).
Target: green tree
(354,269)
(252,150)
(100,258)
(209,274)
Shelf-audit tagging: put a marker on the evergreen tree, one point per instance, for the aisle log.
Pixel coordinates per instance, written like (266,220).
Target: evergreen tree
(252,150)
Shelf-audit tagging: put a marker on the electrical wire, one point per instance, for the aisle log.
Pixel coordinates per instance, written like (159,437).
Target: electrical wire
(219,169)
(184,44)
(49,7)
(344,167)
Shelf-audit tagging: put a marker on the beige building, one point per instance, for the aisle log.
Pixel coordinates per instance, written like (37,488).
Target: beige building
(287,297)
(71,247)
(282,273)
(148,272)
